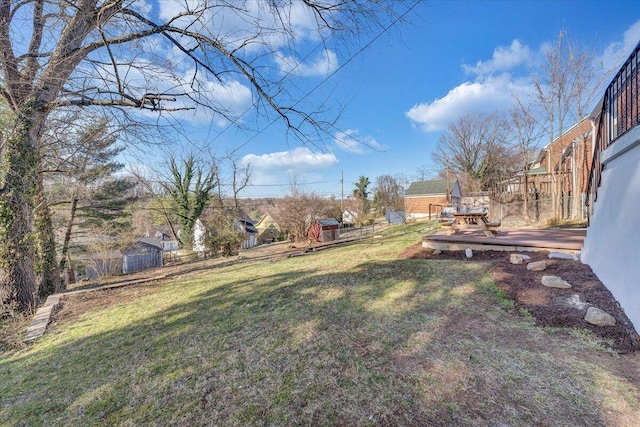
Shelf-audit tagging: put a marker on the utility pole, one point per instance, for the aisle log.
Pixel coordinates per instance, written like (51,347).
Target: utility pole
(342,191)
(446,157)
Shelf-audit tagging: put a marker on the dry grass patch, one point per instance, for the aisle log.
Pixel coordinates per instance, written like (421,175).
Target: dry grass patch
(348,336)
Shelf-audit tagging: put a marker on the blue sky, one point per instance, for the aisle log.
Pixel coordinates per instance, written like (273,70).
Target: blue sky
(396,96)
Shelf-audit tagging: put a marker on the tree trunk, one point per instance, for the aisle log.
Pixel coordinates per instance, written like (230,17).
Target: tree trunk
(67,235)
(18,189)
(46,268)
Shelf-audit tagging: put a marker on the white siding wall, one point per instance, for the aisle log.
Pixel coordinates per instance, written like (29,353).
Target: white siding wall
(612,245)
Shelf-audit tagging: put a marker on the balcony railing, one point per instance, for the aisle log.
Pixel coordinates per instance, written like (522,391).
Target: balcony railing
(618,114)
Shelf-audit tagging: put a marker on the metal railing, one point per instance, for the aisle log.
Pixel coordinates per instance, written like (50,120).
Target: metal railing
(618,114)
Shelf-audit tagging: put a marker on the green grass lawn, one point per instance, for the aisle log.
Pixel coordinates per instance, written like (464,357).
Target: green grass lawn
(347,336)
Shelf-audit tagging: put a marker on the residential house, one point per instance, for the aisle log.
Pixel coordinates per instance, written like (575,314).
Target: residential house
(613,191)
(268,230)
(349,216)
(561,168)
(249,233)
(426,198)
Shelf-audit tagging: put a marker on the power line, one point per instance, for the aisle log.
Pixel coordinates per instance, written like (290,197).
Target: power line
(323,81)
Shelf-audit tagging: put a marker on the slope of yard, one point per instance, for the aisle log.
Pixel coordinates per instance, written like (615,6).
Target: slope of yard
(348,336)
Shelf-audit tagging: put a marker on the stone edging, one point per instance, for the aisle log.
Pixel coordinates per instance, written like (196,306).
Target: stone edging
(42,318)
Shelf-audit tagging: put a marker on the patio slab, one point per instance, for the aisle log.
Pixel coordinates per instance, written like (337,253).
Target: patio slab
(558,240)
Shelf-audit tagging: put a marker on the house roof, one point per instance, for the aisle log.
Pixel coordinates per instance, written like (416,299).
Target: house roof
(150,241)
(247,226)
(266,221)
(426,188)
(537,171)
(328,221)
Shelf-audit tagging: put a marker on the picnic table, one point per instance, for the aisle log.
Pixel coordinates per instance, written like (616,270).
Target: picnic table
(462,221)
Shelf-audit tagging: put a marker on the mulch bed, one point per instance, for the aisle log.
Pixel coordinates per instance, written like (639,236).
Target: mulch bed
(549,306)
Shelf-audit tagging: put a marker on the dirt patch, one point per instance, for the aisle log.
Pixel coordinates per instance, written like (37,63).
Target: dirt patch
(549,306)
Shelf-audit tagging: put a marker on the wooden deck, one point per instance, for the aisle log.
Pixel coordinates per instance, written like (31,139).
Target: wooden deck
(558,240)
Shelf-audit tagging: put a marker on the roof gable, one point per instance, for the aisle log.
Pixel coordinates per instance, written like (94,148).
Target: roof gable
(428,188)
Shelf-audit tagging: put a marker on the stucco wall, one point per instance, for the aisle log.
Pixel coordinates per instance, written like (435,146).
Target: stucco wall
(612,245)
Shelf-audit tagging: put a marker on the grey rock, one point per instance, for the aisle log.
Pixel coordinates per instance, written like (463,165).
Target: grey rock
(573,301)
(598,317)
(519,258)
(555,282)
(537,266)
(560,255)
(516,259)
(468,252)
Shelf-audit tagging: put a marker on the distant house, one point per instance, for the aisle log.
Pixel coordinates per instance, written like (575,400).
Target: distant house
(249,232)
(425,198)
(569,158)
(349,216)
(163,240)
(324,230)
(268,230)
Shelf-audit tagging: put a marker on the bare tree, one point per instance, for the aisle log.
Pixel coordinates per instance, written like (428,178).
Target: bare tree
(126,55)
(295,212)
(475,148)
(240,178)
(563,89)
(525,135)
(388,193)
(425,172)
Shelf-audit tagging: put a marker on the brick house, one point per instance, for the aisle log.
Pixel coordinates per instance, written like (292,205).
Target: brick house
(425,198)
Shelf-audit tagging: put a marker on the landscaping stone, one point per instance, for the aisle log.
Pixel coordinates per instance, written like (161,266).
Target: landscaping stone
(468,252)
(598,317)
(573,301)
(519,258)
(437,252)
(537,266)
(555,282)
(560,255)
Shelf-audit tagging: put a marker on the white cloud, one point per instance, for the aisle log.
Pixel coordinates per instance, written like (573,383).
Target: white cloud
(494,93)
(230,98)
(503,59)
(253,25)
(300,159)
(493,89)
(351,141)
(617,52)
(323,65)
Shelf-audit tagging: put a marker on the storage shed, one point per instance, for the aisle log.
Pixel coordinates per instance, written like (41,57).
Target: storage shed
(141,255)
(324,230)
(395,217)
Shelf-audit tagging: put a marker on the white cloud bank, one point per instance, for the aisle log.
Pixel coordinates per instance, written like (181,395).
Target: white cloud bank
(504,58)
(617,52)
(323,65)
(497,80)
(491,94)
(300,159)
(352,142)
(493,89)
